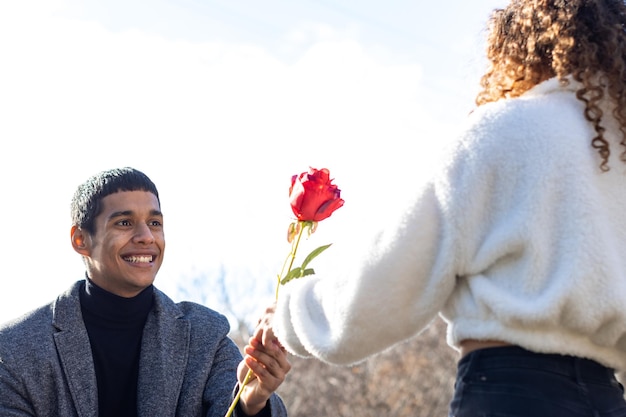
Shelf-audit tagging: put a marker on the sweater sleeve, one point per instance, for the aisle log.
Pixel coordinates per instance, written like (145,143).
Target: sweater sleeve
(409,270)
(381,295)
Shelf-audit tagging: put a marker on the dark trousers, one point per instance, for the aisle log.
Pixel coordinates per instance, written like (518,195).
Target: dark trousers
(514,382)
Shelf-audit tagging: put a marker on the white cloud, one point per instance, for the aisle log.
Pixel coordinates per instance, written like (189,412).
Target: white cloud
(32,7)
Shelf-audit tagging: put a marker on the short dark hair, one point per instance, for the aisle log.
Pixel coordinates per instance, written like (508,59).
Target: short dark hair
(86,203)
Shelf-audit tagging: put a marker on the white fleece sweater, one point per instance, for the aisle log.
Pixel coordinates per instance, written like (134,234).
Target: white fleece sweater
(519,237)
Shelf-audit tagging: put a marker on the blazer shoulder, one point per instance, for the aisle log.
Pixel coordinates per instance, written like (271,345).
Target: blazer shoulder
(28,334)
(203,315)
(198,315)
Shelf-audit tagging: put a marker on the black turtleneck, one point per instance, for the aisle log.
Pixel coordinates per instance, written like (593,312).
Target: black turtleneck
(115,326)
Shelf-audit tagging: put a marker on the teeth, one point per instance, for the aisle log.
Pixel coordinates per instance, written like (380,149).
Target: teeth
(138,259)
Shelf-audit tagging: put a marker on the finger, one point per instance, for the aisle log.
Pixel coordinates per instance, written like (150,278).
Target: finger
(265,335)
(268,338)
(242,371)
(265,381)
(273,359)
(262,326)
(276,365)
(271,347)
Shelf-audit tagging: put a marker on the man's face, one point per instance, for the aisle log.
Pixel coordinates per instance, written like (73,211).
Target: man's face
(126,251)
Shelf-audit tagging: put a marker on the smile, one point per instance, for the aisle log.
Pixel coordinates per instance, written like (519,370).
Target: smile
(139,259)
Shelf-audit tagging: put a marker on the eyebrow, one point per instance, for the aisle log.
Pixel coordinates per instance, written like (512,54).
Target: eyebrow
(130,213)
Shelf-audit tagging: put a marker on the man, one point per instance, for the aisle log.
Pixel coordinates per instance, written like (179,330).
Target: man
(113,345)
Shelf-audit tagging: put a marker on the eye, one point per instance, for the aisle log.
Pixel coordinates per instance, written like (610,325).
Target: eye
(155,223)
(124,222)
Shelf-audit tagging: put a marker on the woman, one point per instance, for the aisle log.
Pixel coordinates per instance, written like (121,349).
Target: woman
(517,241)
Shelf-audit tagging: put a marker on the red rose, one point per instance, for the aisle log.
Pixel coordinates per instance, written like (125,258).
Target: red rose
(312,195)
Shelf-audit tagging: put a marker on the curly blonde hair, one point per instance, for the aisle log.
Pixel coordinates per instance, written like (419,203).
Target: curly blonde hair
(531,41)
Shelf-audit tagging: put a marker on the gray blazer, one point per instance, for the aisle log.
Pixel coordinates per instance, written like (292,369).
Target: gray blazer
(187,365)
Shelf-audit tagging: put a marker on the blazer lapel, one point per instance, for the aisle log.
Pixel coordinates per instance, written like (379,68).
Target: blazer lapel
(72,343)
(164,355)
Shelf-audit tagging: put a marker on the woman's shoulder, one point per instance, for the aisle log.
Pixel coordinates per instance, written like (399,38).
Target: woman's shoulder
(548,105)
(546,116)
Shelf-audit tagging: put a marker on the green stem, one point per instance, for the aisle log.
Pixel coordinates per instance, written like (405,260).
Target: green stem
(236,400)
(290,258)
(292,255)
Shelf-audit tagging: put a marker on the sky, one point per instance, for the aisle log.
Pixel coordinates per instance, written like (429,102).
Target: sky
(220,102)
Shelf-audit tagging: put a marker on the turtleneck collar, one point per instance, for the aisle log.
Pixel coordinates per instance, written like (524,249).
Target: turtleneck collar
(113,309)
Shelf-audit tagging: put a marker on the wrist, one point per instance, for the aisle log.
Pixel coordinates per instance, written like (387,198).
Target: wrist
(250,410)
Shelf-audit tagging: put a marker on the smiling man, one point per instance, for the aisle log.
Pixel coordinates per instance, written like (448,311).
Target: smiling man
(113,345)
(126,254)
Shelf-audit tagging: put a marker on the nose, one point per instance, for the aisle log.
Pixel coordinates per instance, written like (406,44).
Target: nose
(143,234)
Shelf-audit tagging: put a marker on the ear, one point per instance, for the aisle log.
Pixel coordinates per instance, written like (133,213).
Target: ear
(80,241)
